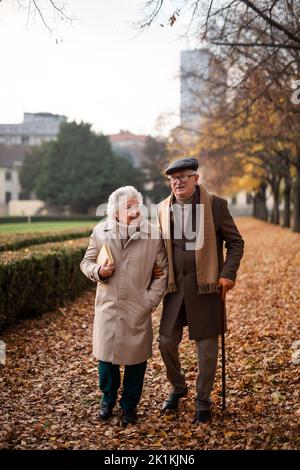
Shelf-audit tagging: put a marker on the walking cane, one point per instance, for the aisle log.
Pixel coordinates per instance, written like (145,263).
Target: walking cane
(223,356)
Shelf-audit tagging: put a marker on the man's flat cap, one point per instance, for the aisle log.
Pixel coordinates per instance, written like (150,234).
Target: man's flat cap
(182,164)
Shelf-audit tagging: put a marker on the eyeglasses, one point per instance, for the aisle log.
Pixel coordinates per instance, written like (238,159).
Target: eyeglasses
(181,178)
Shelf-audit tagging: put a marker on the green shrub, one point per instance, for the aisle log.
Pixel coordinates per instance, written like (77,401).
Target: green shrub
(37,279)
(46,218)
(16,241)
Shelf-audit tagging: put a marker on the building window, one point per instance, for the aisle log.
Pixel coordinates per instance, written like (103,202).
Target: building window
(249,198)
(8,176)
(7,197)
(25,139)
(233,200)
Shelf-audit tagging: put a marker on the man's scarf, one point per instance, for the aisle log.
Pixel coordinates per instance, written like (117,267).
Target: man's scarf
(206,258)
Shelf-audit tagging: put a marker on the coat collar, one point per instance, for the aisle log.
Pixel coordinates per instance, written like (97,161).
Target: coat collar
(195,198)
(144,226)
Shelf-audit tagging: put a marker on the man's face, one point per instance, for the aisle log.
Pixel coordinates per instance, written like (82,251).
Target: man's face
(183,183)
(129,211)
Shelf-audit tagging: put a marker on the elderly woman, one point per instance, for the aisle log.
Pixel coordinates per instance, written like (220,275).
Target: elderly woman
(127,294)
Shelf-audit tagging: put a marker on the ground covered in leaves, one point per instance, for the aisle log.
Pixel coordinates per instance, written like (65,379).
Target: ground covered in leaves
(49,385)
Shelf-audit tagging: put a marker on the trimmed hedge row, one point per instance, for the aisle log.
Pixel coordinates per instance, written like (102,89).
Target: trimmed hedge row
(36,280)
(46,218)
(17,241)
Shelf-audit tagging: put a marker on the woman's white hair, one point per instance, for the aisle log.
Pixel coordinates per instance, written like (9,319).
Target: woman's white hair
(124,192)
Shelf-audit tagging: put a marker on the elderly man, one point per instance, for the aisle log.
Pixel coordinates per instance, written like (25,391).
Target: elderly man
(195,224)
(126,296)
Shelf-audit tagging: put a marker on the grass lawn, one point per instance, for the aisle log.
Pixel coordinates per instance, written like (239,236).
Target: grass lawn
(46,226)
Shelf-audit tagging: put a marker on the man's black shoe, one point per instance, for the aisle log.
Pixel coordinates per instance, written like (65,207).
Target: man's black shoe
(172,402)
(129,417)
(105,411)
(202,417)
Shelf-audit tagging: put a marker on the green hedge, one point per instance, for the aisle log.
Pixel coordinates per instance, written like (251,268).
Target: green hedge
(16,241)
(46,218)
(38,279)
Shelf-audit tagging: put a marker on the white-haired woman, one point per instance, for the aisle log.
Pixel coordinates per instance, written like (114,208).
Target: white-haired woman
(126,296)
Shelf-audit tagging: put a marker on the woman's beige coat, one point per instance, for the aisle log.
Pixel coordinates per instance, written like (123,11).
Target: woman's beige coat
(124,302)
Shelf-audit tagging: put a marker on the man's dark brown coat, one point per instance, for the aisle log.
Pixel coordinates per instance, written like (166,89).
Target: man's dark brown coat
(203,311)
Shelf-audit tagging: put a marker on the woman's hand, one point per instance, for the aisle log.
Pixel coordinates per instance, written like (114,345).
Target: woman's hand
(106,270)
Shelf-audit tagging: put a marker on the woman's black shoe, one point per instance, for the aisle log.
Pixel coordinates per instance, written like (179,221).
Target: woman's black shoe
(105,411)
(129,417)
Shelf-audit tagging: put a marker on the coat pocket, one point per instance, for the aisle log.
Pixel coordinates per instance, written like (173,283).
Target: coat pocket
(150,307)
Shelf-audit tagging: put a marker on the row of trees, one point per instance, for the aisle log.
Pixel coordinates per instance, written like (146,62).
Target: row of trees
(249,137)
(249,141)
(79,170)
(261,153)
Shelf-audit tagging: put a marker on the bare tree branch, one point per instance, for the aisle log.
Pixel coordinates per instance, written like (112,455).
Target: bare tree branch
(37,6)
(40,15)
(272,22)
(263,44)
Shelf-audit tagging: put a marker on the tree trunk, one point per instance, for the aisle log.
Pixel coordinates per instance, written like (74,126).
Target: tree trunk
(287,201)
(296,223)
(255,204)
(260,210)
(275,216)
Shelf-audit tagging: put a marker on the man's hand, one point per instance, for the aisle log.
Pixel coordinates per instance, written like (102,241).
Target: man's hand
(225,285)
(157,272)
(106,270)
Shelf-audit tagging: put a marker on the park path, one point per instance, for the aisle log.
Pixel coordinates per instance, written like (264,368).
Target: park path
(49,386)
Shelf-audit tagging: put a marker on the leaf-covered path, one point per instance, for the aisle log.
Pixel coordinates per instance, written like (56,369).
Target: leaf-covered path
(49,385)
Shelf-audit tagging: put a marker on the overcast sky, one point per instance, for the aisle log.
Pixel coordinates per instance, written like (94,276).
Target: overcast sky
(103,72)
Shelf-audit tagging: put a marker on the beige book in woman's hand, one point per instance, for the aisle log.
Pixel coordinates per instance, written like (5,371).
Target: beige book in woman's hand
(105,254)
